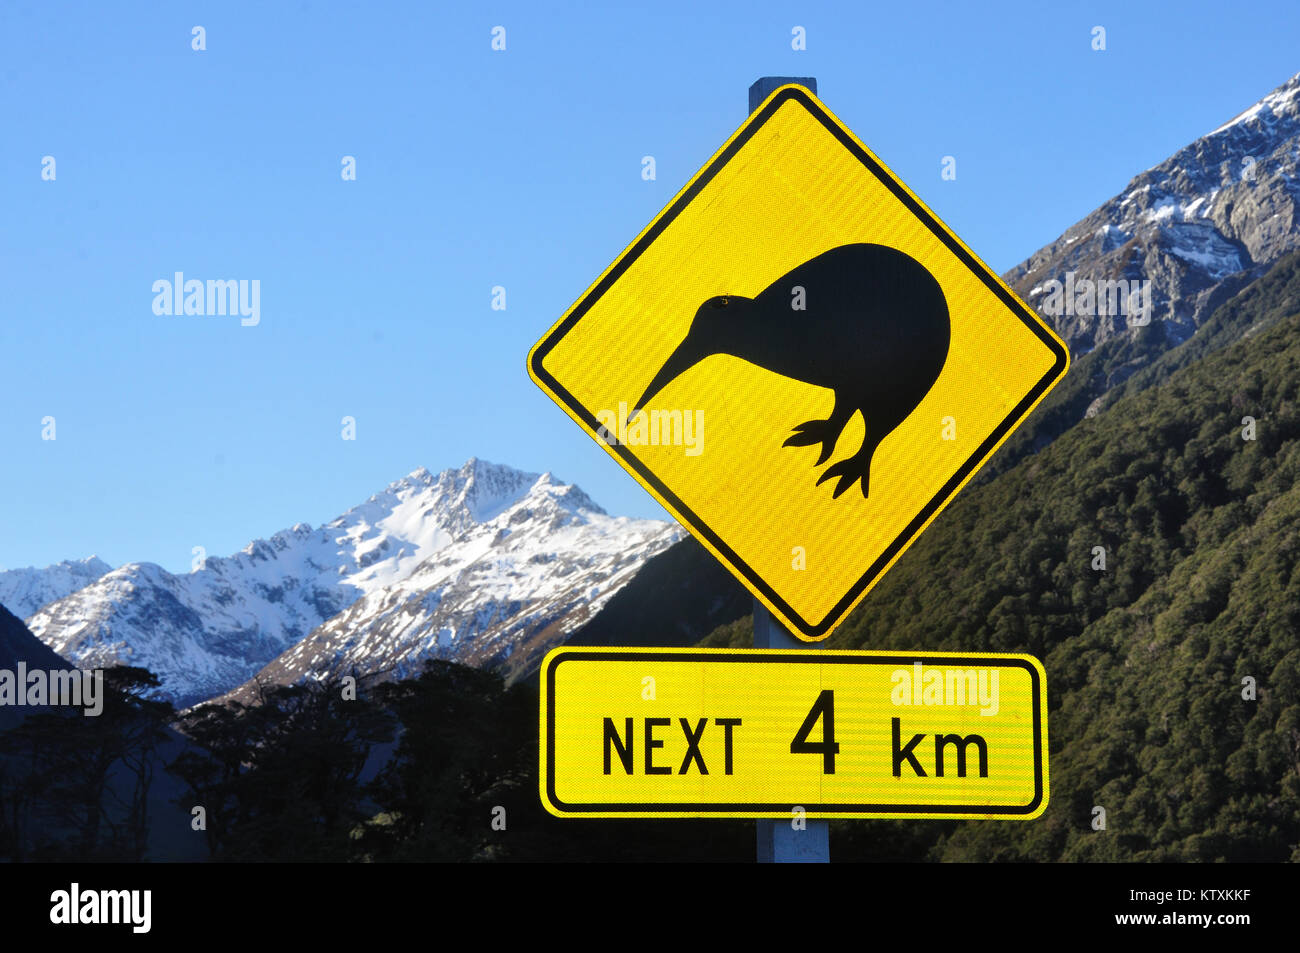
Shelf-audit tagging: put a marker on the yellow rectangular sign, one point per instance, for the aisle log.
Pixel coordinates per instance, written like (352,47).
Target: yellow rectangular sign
(759,733)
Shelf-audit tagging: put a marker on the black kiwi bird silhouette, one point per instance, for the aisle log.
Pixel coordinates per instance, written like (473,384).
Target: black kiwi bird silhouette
(874,329)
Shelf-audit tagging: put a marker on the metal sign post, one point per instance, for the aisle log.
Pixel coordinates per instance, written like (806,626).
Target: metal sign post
(780,842)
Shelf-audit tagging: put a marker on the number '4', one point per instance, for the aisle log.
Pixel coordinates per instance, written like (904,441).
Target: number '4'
(823,708)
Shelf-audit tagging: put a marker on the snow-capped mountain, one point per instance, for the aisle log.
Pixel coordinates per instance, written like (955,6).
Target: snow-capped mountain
(1198,226)
(23,591)
(205,632)
(529,571)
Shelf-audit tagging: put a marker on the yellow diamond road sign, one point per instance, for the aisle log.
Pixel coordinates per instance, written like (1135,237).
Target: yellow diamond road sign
(800,361)
(759,732)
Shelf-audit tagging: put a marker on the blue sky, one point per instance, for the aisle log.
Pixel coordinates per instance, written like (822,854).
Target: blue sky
(475,168)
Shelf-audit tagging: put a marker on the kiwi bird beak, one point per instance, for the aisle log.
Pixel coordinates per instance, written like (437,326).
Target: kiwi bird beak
(683,358)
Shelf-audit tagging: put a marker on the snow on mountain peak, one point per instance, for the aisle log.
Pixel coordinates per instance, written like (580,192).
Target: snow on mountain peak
(1281,104)
(570,496)
(23,591)
(485,489)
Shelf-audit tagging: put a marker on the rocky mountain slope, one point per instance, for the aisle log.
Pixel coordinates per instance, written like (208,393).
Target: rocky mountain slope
(1198,226)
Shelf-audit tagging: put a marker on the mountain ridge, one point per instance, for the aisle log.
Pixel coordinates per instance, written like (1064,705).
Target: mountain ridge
(515,585)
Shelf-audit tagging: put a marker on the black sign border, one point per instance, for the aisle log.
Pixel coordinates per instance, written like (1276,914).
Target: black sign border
(804,657)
